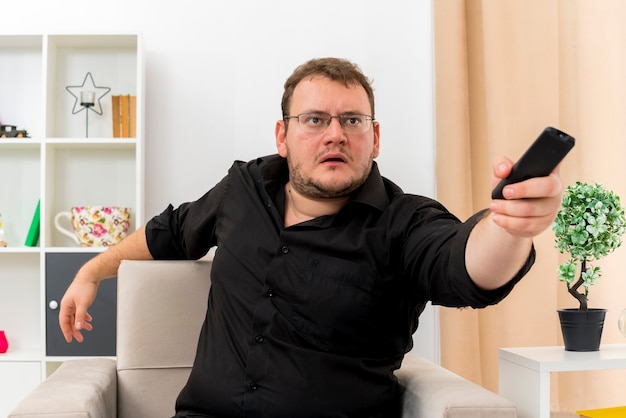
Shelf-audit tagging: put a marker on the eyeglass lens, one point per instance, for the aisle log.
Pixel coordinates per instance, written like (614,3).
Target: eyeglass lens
(318,122)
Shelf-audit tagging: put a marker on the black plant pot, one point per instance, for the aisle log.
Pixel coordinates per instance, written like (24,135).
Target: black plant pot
(582,330)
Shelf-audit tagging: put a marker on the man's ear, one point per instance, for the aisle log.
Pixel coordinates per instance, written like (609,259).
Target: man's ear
(280,131)
(376,139)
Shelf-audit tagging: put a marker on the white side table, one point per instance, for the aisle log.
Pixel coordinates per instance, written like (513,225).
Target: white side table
(524,373)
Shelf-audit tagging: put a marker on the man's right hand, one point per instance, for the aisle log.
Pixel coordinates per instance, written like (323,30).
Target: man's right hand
(73,316)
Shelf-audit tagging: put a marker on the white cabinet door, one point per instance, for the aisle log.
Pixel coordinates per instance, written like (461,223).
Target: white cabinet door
(17,379)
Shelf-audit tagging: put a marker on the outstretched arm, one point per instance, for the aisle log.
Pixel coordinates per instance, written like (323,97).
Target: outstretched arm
(73,316)
(500,243)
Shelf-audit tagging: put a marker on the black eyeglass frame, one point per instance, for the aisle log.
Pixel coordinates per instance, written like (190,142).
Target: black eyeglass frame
(342,118)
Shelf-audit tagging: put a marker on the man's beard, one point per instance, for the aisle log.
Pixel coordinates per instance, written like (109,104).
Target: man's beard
(310,187)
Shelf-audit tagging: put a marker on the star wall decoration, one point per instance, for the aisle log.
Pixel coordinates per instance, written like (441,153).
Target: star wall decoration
(88,86)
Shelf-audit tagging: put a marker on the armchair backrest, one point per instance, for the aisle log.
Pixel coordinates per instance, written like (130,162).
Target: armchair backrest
(160,309)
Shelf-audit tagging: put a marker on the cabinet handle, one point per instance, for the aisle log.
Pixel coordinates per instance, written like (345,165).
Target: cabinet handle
(53,305)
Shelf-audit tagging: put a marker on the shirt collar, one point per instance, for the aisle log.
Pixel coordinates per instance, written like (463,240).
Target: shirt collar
(373,191)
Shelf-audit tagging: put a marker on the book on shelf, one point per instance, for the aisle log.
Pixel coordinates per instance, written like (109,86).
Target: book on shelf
(33,232)
(124,116)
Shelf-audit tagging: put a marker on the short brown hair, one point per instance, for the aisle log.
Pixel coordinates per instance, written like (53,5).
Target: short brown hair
(336,69)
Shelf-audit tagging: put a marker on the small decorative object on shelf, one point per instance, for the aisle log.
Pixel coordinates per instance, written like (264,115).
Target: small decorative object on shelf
(33,231)
(95,226)
(11,131)
(87,96)
(3,243)
(124,116)
(4,343)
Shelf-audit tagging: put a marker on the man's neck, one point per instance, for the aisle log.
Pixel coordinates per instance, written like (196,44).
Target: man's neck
(300,208)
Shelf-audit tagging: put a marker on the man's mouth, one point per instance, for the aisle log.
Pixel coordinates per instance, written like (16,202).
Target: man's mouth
(333,158)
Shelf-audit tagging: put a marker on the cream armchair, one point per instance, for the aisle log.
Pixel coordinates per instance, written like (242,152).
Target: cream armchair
(161,306)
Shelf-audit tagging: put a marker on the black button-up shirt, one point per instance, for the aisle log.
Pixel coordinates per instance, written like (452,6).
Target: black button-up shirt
(312,320)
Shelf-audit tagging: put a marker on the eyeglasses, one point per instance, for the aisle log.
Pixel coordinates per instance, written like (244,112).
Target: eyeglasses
(317,122)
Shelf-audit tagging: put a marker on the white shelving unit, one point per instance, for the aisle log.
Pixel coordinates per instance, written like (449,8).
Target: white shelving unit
(60,167)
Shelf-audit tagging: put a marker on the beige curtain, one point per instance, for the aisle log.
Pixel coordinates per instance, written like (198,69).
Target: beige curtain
(505,69)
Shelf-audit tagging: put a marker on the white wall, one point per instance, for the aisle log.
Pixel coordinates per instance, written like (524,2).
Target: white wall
(214,76)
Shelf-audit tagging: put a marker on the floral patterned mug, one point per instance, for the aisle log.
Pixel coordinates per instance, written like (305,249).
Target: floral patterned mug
(95,226)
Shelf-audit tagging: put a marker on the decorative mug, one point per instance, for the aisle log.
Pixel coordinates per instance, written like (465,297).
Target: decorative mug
(95,226)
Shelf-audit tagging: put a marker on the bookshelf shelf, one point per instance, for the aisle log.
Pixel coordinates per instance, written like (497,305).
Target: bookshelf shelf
(20,250)
(28,355)
(87,142)
(59,167)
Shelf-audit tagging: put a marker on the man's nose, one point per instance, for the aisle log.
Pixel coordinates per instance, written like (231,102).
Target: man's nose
(334,131)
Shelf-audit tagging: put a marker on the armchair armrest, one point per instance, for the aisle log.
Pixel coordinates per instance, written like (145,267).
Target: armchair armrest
(432,391)
(77,389)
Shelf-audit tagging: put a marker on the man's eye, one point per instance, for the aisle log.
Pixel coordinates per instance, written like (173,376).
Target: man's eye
(353,120)
(313,120)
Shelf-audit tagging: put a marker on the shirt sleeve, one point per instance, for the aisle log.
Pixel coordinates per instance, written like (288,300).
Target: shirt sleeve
(460,290)
(439,271)
(188,231)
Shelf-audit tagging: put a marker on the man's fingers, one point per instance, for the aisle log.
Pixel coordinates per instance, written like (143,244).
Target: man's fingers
(501,168)
(86,324)
(72,323)
(67,327)
(82,320)
(77,336)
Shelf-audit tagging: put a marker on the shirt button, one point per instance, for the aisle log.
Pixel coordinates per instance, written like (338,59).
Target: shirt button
(269,293)
(253,386)
(284,249)
(259,339)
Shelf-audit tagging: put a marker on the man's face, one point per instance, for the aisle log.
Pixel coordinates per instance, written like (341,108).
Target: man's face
(331,163)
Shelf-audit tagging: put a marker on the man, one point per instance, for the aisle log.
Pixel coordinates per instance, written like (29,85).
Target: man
(323,266)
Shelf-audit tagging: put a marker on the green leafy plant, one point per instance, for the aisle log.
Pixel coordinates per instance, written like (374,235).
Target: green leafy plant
(588,226)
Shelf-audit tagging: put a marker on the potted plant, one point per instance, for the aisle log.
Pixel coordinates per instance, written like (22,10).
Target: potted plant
(588,226)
